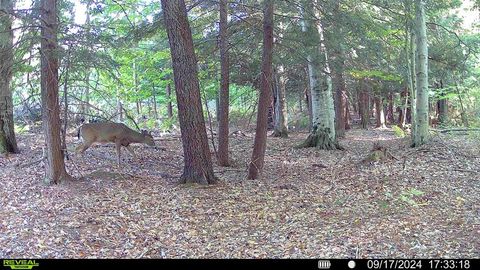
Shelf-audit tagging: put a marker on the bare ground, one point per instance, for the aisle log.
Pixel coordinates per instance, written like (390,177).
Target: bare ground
(424,202)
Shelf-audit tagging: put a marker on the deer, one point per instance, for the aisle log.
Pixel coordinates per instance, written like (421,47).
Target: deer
(118,133)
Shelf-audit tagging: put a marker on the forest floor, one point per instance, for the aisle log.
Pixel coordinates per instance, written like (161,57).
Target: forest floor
(423,202)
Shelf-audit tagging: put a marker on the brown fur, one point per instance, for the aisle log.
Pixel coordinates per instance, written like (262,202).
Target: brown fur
(117,133)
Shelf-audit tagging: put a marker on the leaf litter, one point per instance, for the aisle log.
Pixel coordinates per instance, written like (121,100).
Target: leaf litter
(309,203)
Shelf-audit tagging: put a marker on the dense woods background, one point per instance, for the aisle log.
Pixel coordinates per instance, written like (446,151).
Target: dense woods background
(352,117)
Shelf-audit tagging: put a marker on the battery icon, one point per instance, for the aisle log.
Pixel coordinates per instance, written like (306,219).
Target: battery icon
(324,264)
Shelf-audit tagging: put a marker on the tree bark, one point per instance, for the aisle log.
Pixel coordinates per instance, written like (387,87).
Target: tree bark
(323,110)
(442,106)
(169,102)
(154,101)
(224,100)
(198,161)
(260,144)
(281,127)
(390,112)
(421,116)
(363,105)
(8,142)
(379,113)
(55,165)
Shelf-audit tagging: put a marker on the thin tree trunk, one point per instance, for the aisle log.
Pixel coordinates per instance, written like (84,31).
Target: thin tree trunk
(198,166)
(281,126)
(390,112)
(300,100)
(363,105)
(379,113)
(154,97)
(135,87)
(421,115)
(224,100)
(442,106)
(85,108)
(462,108)
(260,144)
(55,165)
(347,113)
(8,142)
(65,106)
(169,102)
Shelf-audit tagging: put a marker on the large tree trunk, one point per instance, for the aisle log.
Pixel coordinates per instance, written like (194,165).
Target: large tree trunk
(198,161)
(224,99)
(421,116)
(379,113)
(340,103)
(8,143)
(335,41)
(55,165)
(281,127)
(260,144)
(323,129)
(169,102)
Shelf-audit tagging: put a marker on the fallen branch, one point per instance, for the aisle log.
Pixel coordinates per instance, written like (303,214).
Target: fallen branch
(456,130)
(19,165)
(463,170)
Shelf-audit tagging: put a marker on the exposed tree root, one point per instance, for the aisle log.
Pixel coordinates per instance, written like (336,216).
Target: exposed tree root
(320,139)
(280,133)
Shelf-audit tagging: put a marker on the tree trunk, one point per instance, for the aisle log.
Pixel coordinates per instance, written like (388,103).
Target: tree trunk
(340,103)
(379,113)
(347,113)
(281,126)
(135,88)
(198,161)
(85,108)
(8,142)
(421,116)
(300,100)
(442,106)
(260,144)
(308,101)
(390,112)
(335,41)
(65,106)
(169,102)
(323,128)
(55,165)
(224,100)
(363,105)
(154,101)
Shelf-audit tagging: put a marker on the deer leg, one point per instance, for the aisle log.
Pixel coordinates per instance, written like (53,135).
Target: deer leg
(118,145)
(83,147)
(130,149)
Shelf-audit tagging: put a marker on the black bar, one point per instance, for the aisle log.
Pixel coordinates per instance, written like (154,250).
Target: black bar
(247,264)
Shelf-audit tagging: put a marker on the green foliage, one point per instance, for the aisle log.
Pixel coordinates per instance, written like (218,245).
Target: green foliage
(398,131)
(21,129)
(410,195)
(375,74)
(168,124)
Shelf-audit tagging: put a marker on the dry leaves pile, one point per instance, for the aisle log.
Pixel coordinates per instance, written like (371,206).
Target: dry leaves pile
(423,203)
